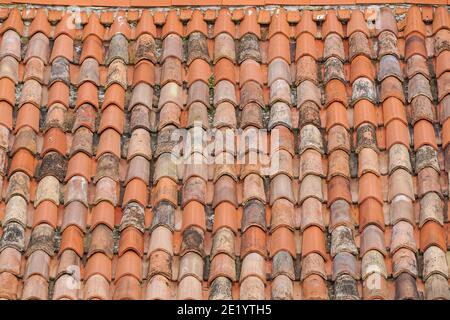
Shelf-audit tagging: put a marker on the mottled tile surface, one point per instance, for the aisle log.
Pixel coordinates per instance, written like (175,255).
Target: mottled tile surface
(225,154)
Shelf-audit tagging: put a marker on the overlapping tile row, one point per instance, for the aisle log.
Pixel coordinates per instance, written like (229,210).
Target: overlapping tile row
(335,185)
(436,256)
(65,165)
(128,273)
(311,150)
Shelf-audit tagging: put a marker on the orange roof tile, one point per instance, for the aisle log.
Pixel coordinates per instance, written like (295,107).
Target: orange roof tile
(108,129)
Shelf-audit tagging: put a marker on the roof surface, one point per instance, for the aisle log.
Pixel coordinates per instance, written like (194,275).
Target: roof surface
(225,153)
(216,3)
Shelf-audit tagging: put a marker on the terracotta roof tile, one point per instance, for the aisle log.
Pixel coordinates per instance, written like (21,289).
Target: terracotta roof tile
(306,24)
(65,25)
(93,27)
(415,44)
(357,23)
(278,47)
(249,23)
(279,23)
(355,192)
(414,22)
(13,22)
(120,25)
(332,25)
